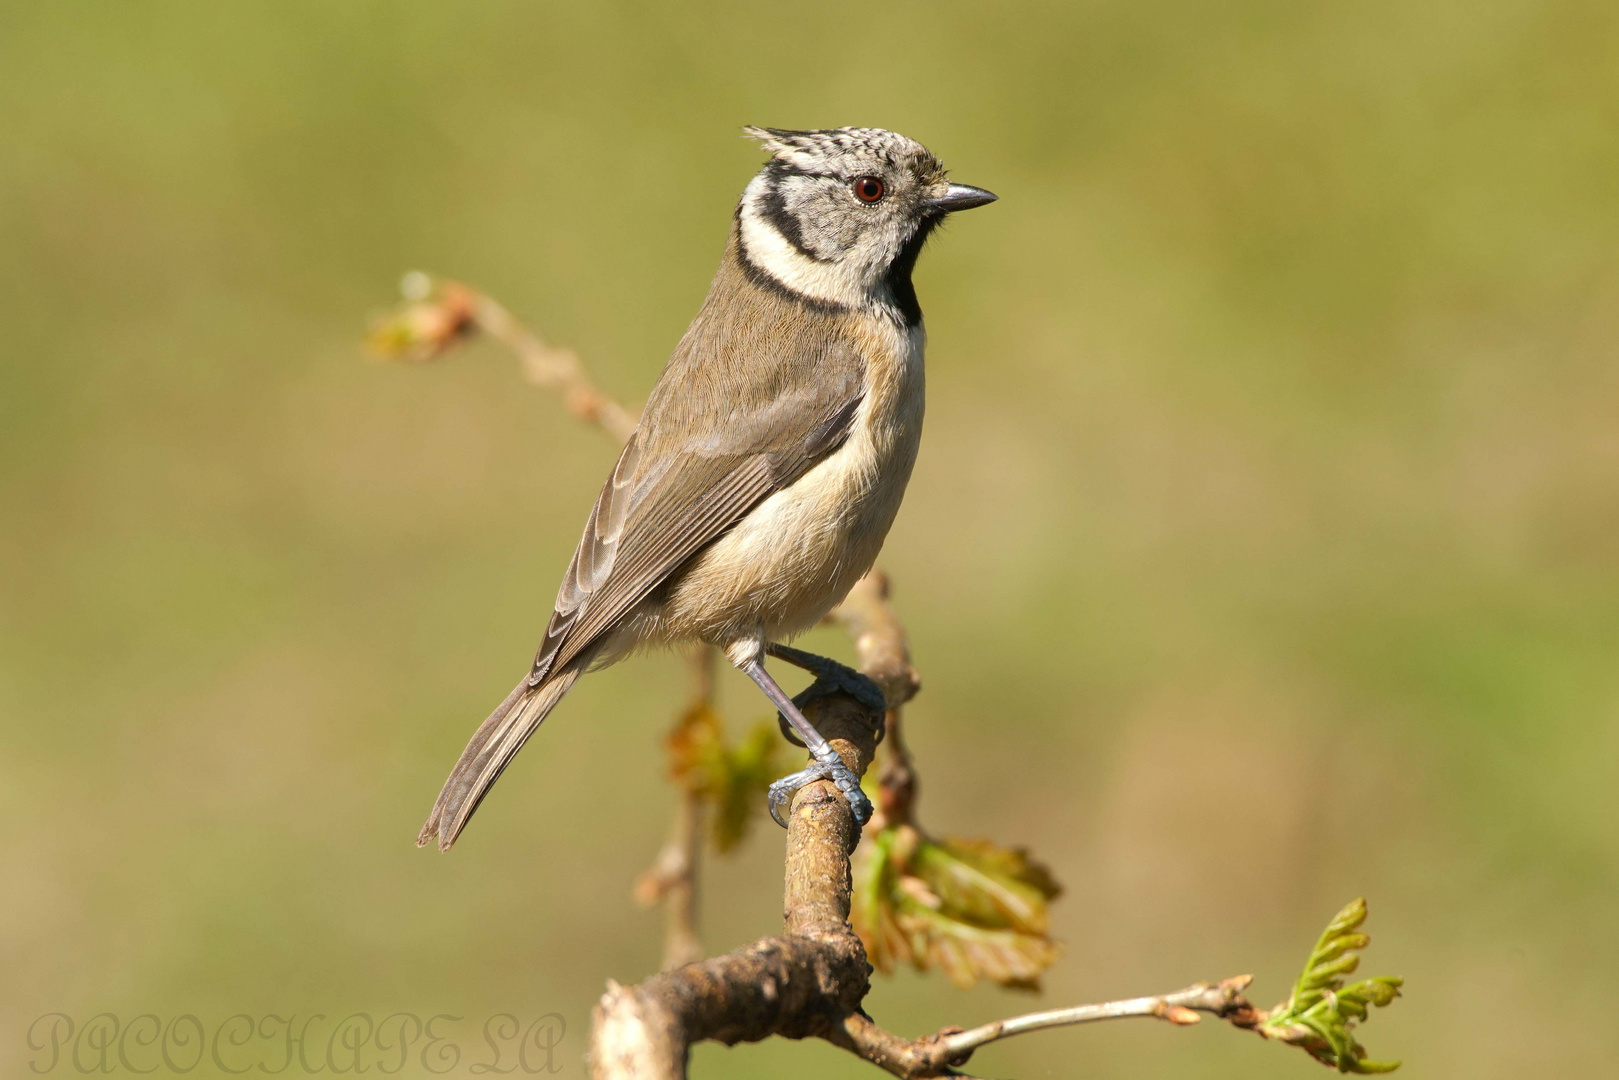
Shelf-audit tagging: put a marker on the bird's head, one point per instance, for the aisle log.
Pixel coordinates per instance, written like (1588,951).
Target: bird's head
(839,215)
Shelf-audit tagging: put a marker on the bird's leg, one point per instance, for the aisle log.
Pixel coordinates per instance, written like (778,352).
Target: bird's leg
(831,678)
(828,764)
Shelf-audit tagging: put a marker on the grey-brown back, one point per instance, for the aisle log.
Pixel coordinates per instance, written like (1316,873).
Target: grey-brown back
(761,387)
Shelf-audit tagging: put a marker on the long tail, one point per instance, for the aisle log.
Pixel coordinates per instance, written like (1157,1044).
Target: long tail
(493,746)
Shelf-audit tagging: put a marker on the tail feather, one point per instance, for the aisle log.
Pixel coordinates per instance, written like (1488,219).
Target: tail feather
(492,748)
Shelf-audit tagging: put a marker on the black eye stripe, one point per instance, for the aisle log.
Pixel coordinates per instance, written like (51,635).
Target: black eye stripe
(774,209)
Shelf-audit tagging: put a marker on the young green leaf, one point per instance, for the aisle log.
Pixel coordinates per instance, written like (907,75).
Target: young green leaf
(1321,1013)
(968,908)
(732,779)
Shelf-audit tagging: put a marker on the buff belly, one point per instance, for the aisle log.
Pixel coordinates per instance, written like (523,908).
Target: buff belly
(796,555)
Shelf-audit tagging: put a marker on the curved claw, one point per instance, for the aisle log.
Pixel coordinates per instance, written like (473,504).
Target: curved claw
(779,801)
(780,794)
(859,806)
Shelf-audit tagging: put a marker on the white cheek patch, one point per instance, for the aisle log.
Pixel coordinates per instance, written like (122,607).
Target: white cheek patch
(768,250)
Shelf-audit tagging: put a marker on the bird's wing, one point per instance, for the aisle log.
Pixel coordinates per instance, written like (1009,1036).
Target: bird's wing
(686,477)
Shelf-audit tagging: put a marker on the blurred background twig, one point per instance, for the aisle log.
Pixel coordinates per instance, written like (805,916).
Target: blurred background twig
(969,908)
(1264,528)
(438,313)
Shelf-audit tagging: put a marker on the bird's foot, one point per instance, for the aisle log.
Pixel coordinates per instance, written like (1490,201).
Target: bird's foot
(831,678)
(830,767)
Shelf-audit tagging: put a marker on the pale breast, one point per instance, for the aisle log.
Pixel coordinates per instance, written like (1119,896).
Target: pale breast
(796,554)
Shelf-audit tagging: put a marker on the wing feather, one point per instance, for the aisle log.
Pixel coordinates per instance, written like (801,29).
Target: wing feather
(758,392)
(658,510)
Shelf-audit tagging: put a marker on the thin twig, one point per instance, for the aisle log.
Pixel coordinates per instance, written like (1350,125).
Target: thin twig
(1224,999)
(810,980)
(553,368)
(439,313)
(937,1055)
(879,638)
(672,877)
(870,620)
(672,881)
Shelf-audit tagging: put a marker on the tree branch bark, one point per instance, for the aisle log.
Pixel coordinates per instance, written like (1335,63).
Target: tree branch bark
(810,980)
(798,984)
(881,642)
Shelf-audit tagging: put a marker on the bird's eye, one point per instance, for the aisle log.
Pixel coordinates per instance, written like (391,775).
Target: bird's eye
(868,189)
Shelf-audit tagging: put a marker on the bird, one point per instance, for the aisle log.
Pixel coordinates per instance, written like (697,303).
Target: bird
(771,456)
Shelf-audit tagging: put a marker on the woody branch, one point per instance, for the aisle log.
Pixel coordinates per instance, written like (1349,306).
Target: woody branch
(810,980)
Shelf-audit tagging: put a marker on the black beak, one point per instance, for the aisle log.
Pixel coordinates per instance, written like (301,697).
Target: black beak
(961,197)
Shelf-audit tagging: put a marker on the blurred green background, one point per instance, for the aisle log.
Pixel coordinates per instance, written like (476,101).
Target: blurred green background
(1263,551)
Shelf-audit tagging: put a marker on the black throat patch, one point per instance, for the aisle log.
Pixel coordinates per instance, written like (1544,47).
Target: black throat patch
(898,278)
